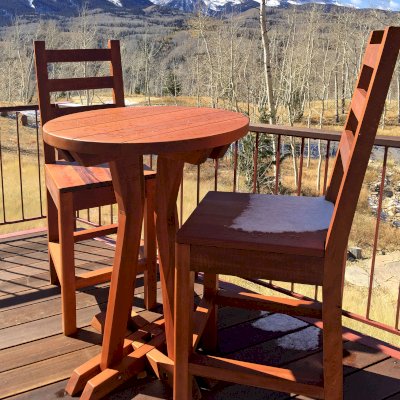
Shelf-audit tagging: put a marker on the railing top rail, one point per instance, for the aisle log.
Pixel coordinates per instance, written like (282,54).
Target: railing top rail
(312,133)
(28,107)
(296,131)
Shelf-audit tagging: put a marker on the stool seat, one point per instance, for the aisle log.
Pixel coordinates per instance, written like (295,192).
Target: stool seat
(269,223)
(69,177)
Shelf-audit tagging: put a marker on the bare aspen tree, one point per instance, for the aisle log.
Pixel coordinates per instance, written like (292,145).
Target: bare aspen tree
(267,62)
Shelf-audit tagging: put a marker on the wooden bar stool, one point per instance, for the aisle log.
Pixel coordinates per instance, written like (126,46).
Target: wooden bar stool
(71,187)
(283,238)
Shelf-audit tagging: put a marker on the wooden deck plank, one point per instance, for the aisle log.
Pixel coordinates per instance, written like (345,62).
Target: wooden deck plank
(48,392)
(31,284)
(375,382)
(42,349)
(45,327)
(143,389)
(50,307)
(32,341)
(43,372)
(11,288)
(48,292)
(21,271)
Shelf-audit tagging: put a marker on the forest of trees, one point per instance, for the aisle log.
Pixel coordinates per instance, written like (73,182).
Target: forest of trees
(314,58)
(314,55)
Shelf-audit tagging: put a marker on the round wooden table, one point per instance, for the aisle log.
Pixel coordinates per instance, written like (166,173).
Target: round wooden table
(121,136)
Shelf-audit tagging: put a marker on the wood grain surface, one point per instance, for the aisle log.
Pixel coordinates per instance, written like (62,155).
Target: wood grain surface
(141,130)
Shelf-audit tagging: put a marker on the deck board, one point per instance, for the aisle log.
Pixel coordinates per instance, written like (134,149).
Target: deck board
(36,359)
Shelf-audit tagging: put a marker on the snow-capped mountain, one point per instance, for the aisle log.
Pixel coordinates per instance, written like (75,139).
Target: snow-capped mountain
(65,7)
(221,5)
(10,8)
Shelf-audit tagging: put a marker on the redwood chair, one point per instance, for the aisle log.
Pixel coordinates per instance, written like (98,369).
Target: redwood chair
(71,187)
(293,239)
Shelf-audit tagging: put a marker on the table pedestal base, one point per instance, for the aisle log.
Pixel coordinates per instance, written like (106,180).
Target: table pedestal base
(140,350)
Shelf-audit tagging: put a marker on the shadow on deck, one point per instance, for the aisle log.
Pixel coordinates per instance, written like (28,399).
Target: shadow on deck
(36,359)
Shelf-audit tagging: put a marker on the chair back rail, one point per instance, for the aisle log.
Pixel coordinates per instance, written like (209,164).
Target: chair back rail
(359,134)
(45,85)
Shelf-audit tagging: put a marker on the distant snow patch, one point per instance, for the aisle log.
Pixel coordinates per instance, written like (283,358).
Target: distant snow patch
(277,214)
(116,3)
(305,340)
(278,323)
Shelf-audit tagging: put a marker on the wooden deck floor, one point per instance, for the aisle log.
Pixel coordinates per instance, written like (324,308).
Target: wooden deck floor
(36,359)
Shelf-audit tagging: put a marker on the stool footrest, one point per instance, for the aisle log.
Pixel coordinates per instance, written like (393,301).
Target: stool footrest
(280,379)
(91,233)
(93,277)
(254,301)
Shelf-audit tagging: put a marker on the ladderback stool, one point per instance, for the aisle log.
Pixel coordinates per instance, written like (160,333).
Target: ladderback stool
(72,187)
(284,238)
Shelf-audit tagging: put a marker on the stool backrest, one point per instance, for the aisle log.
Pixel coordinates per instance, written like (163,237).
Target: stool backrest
(359,133)
(46,86)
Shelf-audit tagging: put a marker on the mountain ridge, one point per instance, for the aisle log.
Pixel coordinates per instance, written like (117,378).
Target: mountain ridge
(72,7)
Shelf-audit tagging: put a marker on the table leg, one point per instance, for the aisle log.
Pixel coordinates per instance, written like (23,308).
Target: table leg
(169,177)
(119,360)
(128,185)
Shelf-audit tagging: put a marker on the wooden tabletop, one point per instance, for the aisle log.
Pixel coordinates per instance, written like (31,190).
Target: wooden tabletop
(143,130)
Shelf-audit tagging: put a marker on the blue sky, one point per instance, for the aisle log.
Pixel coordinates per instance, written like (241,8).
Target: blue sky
(384,4)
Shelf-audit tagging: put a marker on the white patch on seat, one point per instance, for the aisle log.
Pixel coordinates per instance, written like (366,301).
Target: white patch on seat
(278,214)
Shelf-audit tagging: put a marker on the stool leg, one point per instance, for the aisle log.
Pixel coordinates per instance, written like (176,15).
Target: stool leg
(209,338)
(67,263)
(332,343)
(52,235)
(183,321)
(150,246)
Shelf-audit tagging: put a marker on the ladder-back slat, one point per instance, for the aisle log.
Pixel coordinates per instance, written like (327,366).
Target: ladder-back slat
(46,86)
(59,111)
(73,84)
(358,103)
(78,55)
(371,55)
(354,151)
(345,147)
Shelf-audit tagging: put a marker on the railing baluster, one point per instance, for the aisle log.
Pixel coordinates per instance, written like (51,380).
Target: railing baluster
(235,164)
(38,163)
(2,180)
(198,186)
(20,168)
(216,165)
(181,204)
(396,325)
(277,164)
(328,143)
(300,167)
(378,220)
(255,162)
